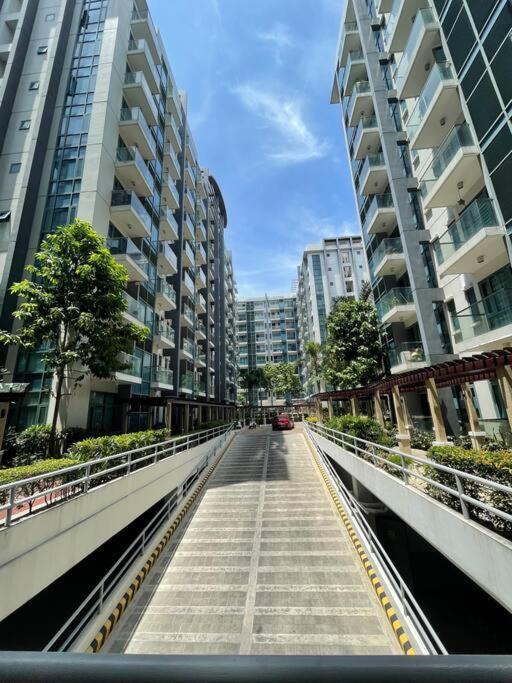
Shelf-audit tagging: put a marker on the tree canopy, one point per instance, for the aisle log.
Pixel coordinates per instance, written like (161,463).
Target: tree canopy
(353,351)
(282,379)
(313,353)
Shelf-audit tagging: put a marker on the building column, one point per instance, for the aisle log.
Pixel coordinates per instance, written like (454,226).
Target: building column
(504,377)
(354,406)
(186,417)
(318,408)
(403,436)
(476,434)
(168,415)
(435,411)
(4,412)
(330,408)
(377,409)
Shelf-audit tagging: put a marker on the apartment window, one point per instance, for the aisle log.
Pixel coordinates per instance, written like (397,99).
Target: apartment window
(34,85)
(25,124)
(15,168)
(50,17)
(42,49)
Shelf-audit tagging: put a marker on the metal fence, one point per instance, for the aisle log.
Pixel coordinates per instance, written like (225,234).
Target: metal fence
(95,601)
(27,496)
(455,488)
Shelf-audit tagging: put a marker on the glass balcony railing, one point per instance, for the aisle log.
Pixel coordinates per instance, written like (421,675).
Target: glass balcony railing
(122,198)
(201,301)
(353,57)
(167,253)
(422,19)
(170,123)
(187,381)
(162,376)
(458,138)
(188,312)
(132,363)
(135,308)
(201,251)
(391,245)
(440,72)
(365,123)
(188,346)
(360,87)
(190,224)
(189,251)
(201,357)
(165,289)
(135,115)
(201,276)
(168,151)
(391,22)
(189,282)
(406,352)
(132,154)
(124,246)
(142,46)
(165,329)
(370,162)
(168,180)
(136,78)
(398,296)
(379,201)
(201,386)
(167,215)
(201,327)
(479,214)
(486,315)
(350,26)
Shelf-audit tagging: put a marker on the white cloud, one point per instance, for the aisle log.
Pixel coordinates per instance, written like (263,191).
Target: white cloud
(278,37)
(294,142)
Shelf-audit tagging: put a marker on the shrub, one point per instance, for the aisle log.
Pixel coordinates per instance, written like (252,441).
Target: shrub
(13,474)
(103,446)
(493,465)
(312,418)
(421,440)
(362,427)
(30,444)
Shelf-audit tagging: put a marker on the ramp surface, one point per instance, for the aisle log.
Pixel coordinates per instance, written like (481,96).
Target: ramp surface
(262,566)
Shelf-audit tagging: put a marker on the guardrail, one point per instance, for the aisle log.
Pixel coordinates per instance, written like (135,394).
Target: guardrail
(94,602)
(37,667)
(19,498)
(396,587)
(413,471)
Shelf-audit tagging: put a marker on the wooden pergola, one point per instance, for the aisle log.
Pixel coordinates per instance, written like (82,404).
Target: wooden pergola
(460,372)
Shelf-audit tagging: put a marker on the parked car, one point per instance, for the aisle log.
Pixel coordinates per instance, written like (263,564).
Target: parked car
(283,421)
(238,425)
(252,424)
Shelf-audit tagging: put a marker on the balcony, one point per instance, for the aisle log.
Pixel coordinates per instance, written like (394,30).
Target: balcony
(128,255)
(454,173)
(128,214)
(400,20)
(135,310)
(132,171)
(485,324)
(135,132)
(474,243)
(142,27)
(165,296)
(187,382)
(171,162)
(201,208)
(163,336)
(397,306)
(187,348)
(381,215)
(187,284)
(170,194)
(189,228)
(162,378)
(360,102)
(383,6)
(191,151)
(137,93)
(167,262)
(190,176)
(367,137)
(200,232)
(388,259)
(140,59)
(168,225)
(200,304)
(437,109)
(200,278)
(201,360)
(187,315)
(189,257)
(201,386)
(173,100)
(417,56)
(373,177)
(406,356)
(200,255)
(355,70)
(349,42)
(132,373)
(172,133)
(190,202)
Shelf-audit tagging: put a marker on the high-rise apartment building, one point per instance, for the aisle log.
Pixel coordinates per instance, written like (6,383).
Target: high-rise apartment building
(336,268)
(424,88)
(92,126)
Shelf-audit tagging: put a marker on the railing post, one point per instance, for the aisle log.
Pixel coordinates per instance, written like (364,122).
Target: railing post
(8,514)
(405,475)
(129,464)
(87,476)
(460,489)
(156,454)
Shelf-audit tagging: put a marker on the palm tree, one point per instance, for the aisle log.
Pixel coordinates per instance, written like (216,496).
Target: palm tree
(250,379)
(313,351)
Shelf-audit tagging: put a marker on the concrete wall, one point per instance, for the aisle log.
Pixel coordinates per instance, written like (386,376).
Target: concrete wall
(37,551)
(481,554)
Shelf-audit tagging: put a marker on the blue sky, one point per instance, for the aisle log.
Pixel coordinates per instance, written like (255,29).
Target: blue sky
(259,77)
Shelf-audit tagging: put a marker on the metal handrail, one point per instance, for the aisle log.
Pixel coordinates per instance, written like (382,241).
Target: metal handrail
(370,449)
(95,600)
(153,453)
(408,604)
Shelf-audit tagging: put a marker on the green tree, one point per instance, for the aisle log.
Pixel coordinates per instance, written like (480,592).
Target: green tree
(252,379)
(313,353)
(282,379)
(73,307)
(353,352)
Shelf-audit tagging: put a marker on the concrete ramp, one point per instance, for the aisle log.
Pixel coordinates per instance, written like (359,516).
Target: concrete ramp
(263,565)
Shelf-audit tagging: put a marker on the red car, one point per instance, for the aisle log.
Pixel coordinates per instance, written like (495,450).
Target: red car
(282,421)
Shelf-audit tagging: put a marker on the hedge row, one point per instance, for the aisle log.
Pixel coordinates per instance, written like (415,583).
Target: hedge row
(103,446)
(13,474)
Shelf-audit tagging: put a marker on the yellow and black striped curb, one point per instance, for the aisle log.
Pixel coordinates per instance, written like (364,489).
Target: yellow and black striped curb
(105,631)
(393,619)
